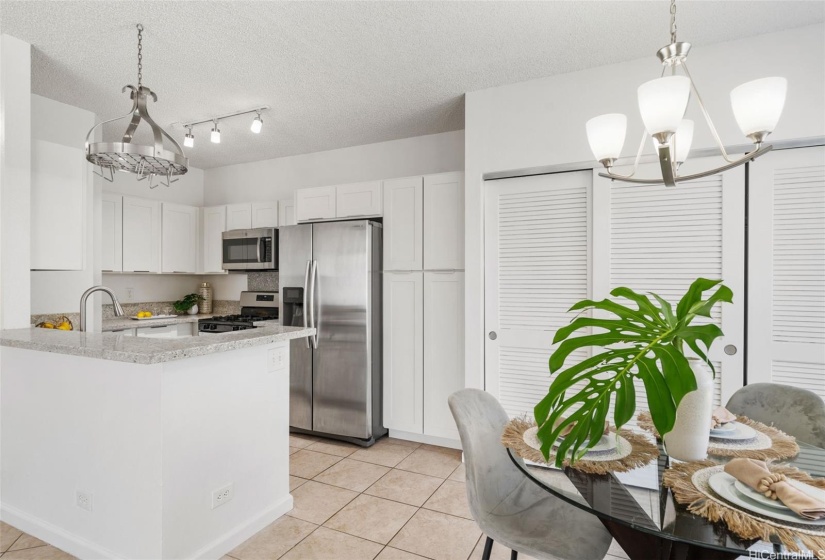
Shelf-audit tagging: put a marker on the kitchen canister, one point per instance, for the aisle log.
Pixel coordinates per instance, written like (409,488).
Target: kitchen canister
(205,291)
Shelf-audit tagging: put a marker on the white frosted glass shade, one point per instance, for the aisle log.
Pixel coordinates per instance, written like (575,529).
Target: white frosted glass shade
(683,139)
(757,105)
(215,136)
(257,124)
(606,134)
(662,103)
(189,141)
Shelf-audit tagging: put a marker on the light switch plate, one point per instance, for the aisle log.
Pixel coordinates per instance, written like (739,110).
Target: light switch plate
(276,359)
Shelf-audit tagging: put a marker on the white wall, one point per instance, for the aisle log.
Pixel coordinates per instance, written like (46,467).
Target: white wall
(540,124)
(59,291)
(278,178)
(15,182)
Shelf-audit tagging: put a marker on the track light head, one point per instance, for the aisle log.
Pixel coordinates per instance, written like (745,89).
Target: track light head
(216,134)
(257,124)
(189,139)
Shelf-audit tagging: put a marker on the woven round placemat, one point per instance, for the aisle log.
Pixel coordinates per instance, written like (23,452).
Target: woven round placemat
(632,450)
(689,483)
(770,443)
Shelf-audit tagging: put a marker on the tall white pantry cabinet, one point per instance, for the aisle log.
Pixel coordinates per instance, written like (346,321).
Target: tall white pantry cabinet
(423,305)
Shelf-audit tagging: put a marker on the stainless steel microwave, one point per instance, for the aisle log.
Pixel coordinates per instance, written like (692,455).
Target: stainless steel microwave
(250,249)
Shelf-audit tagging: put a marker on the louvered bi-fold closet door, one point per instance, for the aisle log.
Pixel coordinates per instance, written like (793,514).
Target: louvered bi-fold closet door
(653,238)
(536,267)
(786,316)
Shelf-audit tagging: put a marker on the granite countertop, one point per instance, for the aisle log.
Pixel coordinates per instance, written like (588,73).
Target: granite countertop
(144,350)
(121,323)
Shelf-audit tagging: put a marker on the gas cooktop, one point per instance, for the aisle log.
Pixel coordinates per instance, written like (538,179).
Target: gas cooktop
(256,307)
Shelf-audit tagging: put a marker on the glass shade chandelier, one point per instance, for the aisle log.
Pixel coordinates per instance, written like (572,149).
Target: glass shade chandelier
(147,162)
(756,105)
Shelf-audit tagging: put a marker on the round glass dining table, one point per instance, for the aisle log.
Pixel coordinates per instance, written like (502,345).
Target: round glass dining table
(647,522)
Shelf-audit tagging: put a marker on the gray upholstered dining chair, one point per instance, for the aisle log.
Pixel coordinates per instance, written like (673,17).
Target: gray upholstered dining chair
(507,506)
(795,411)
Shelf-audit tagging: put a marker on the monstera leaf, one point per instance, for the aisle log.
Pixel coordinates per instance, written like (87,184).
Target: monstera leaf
(644,341)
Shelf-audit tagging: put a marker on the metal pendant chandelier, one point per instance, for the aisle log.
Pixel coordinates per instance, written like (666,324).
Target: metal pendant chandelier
(147,162)
(756,105)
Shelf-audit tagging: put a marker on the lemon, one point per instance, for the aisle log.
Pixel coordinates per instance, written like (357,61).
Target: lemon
(64,326)
(147,313)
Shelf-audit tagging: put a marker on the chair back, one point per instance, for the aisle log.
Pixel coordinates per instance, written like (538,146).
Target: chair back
(795,411)
(491,474)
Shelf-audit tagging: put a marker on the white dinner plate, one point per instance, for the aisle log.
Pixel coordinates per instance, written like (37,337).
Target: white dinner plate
(752,494)
(723,484)
(741,432)
(606,443)
(724,428)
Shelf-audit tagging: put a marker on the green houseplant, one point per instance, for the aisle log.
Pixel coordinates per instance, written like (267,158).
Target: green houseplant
(645,341)
(187,302)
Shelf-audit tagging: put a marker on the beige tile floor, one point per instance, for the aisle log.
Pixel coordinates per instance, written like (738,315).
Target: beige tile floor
(396,500)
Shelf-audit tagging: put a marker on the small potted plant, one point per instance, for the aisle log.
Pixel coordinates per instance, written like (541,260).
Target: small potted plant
(188,304)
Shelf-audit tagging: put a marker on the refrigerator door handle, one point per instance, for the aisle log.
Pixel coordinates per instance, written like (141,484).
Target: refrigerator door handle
(313,278)
(306,298)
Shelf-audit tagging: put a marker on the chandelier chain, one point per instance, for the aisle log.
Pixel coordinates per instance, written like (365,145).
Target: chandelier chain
(140,54)
(672,21)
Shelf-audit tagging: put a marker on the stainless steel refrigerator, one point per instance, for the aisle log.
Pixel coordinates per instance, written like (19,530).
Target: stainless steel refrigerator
(330,279)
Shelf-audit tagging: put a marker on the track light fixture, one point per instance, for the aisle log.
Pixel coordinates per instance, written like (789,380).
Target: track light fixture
(189,140)
(215,136)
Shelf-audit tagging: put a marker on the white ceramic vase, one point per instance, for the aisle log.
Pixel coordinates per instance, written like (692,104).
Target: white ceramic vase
(688,441)
(193,310)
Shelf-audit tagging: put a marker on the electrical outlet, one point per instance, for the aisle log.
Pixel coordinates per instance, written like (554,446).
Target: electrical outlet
(83,500)
(276,359)
(222,495)
(130,294)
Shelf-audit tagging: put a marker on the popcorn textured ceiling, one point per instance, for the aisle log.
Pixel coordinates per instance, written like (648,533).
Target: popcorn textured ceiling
(340,74)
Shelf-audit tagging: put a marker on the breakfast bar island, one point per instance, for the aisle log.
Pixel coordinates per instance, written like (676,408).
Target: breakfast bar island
(118,446)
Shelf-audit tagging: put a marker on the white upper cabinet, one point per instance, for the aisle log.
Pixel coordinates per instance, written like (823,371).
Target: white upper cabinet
(265,214)
(58,183)
(286,212)
(214,224)
(315,204)
(359,199)
(111,243)
(443,349)
(141,235)
(444,221)
(238,216)
(404,224)
(179,242)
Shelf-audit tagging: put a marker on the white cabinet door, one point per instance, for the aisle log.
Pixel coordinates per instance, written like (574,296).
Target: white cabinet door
(315,204)
(404,224)
(238,216)
(444,221)
(141,235)
(443,349)
(179,241)
(358,200)
(286,212)
(404,351)
(111,243)
(265,214)
(214,224)
(58,219)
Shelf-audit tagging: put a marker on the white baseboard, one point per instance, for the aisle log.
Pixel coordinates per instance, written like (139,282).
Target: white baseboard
(82,548)
(431,440)
(228,541)
(54,535)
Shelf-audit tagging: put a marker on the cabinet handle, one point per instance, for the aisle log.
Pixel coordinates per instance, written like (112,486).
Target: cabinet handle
(107,270)
(399,271)
(443,271)
(140,271)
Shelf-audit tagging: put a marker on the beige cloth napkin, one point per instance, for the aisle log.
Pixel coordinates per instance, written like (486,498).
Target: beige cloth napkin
(722,416)
(569,428)
(757,475)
